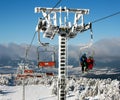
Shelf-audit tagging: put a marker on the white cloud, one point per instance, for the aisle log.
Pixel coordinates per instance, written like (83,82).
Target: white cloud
(105,50)
(108,49)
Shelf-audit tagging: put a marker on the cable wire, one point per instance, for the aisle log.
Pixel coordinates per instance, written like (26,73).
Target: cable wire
(27,50)
(55,5)
(46,44)
(52,8)
(100,19)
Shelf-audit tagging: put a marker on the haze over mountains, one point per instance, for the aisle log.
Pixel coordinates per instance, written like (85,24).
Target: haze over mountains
(106,53)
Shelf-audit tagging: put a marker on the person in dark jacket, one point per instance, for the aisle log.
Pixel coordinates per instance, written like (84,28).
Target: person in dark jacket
(83,62)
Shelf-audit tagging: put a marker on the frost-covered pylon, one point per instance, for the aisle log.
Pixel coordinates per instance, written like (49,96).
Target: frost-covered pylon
(67,23)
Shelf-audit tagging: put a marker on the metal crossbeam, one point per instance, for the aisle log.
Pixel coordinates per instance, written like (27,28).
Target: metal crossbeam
(80,11)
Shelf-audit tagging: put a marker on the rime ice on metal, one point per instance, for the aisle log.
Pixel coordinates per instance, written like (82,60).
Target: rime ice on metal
(55,21)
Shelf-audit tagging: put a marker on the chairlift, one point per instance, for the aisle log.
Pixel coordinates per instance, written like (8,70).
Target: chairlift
(28,71)
(88,50)
(46,58)
(24,71)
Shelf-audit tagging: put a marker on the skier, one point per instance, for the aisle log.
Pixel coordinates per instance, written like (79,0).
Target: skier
(90,62)
(83,62)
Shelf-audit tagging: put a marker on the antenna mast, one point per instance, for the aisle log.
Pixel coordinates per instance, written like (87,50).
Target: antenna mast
(50,25)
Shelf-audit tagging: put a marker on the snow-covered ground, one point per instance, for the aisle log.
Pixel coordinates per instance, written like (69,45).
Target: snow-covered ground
(32,92)
(45,88)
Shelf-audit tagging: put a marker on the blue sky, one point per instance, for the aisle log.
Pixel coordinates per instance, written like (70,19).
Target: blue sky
(18,20)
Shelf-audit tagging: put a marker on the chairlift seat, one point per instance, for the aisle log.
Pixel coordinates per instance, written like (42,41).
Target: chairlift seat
(21,76)
(50,74)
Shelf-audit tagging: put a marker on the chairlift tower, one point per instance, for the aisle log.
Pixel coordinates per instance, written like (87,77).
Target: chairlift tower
(58,21)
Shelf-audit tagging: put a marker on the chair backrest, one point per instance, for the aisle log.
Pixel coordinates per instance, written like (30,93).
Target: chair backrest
(46,64)
(28,71)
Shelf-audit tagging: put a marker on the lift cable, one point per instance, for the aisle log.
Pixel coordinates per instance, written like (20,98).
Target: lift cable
(41,43)
(100,19)
(97,20)
(52,9)
(27,50)
(55,5)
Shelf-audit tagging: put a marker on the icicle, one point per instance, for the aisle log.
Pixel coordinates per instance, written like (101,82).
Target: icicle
(44,14)
(65,22)
(60,18)
(82,18)
(67,14)
(55,19)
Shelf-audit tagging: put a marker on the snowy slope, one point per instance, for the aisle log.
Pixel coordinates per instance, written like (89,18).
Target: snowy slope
(45,89)
(33,92)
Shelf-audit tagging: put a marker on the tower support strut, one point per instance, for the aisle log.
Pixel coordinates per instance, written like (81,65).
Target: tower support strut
(62,68)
